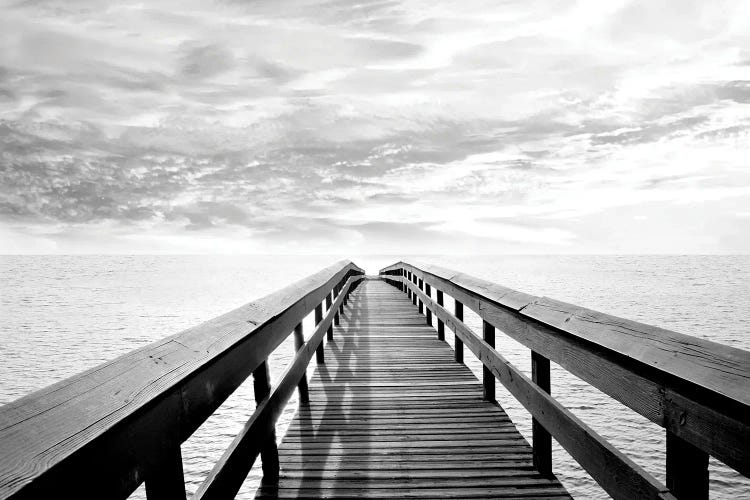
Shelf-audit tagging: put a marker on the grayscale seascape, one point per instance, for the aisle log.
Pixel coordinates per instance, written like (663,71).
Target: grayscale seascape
(377,249)
(64,314)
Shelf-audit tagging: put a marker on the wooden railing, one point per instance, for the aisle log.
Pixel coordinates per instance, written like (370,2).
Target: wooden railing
(698,390)
(102,433)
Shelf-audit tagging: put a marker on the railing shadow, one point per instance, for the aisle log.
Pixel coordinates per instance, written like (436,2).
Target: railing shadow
(318,448)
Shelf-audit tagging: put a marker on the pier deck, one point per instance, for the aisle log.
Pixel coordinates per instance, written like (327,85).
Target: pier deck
(392,415)
(392,411)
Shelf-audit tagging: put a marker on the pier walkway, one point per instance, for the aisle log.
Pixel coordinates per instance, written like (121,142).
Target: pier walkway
(391,411)
(392,415)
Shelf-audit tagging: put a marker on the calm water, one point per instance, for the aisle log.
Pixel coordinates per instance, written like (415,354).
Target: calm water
(83,310)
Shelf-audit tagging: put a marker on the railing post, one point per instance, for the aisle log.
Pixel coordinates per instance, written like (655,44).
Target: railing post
(320,350)
(414,295)
(541,439)
(459,349)
(441,325)
(336,314)
(419,301)
(488,379)
(341,306)
(269,454)
(299,341)
(408,288)
(687,469)
(428,292)
(329,302)
(168,482)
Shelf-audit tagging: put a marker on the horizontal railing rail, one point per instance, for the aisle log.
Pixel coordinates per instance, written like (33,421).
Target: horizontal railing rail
(102,433)
(698,390)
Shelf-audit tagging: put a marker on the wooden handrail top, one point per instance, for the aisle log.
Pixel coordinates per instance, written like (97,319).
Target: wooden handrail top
(718,369)
(132,410)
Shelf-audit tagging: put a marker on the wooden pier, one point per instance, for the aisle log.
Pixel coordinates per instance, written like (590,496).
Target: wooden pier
(392,415)
(392,411)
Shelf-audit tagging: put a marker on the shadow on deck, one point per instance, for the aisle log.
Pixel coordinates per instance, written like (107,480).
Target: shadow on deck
(391,415)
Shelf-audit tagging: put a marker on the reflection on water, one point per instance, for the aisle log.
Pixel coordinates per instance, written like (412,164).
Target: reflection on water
(83,310)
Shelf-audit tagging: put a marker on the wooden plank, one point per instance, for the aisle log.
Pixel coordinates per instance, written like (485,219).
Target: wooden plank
(663,375)
(168,483)
(299,341)
(392,416)
(258,434)
(320,352)
(329,301)
(458,343)
(131,412)
(619,476)
(488,379)
(541,439)
(428,292)
(441,325)
(687,469)
(268,450)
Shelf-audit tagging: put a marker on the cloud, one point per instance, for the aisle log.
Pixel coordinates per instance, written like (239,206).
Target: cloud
(204,61)
(323,125)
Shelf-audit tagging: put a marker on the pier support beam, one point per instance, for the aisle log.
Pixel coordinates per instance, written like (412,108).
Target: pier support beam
(269,454)
(459,350)
(488,378)
(167,483)
(428,292)
(441,325)
(687,469)
(419,301)
(320,350)
(299,342)
(329,301)
(541,439)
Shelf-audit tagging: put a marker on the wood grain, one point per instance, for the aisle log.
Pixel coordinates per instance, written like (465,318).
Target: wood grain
(694,388)
(392,416)
(258,434)
(121,420)
(619,476)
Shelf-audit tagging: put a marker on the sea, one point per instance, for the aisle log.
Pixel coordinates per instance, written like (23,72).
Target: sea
(63,314)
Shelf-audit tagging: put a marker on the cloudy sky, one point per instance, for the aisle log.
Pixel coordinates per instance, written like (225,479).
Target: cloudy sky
(376,126)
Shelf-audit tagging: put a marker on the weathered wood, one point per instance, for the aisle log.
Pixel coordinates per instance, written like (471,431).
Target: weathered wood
(541,439)
(329,301)
(320,353)
(384,423)
(168,483)
(619,476)
(299,342)
(230,471)
(268,452)
(441,325)
(687,469)
(419,302)
(120,421)
(662,375)
(488,379)
(428,292)
(459,345)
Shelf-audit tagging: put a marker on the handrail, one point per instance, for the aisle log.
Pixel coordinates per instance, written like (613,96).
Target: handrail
(698,390)
(103,432)
(226,478)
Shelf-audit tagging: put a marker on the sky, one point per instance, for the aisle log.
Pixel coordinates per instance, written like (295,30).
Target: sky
(335,127)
